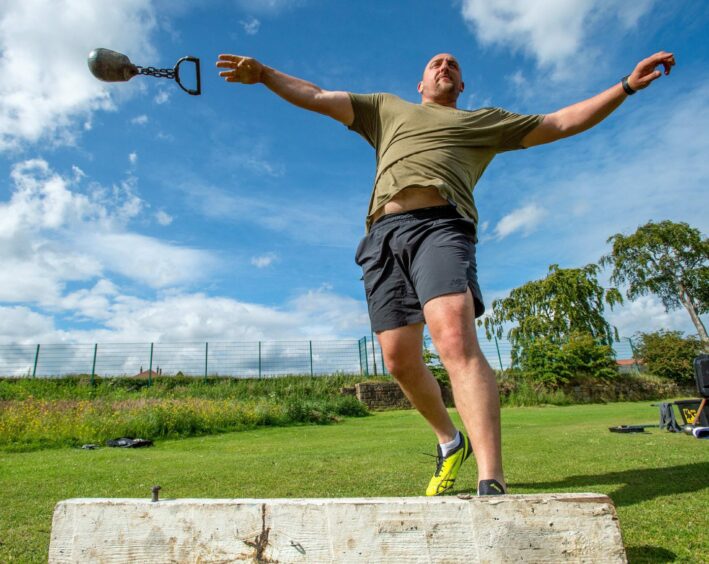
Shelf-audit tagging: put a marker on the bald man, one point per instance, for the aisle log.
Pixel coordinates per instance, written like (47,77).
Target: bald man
(418,255)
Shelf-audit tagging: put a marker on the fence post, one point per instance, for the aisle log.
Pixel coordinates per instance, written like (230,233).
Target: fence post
(359,353)
(311,358)
(366,356)
(93,366)
(36,359)
(259,359)
(206,356)
(374,355)
(150,368)
(499,356)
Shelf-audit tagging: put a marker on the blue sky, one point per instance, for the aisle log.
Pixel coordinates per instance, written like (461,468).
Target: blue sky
(133,212)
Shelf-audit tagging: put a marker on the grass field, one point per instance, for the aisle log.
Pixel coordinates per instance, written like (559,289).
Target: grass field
(659,481)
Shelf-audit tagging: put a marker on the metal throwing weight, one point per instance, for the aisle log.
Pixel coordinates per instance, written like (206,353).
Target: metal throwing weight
(111,66)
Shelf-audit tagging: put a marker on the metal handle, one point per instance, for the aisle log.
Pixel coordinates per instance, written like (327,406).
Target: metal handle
(194,92)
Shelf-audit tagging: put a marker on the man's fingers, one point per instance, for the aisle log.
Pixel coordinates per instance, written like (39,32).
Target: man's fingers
(668,63)
(663,58)
(646,71)
(229,61)
(233,58)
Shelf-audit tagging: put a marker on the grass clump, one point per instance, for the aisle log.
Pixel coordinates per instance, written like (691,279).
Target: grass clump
(70,412)
(80,387)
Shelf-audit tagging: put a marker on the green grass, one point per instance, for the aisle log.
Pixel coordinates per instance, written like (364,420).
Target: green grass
(80,388)
(657,480)
(37,414)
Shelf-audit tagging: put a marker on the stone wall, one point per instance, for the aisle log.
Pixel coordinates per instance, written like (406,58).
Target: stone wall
(627,389)
(388,395)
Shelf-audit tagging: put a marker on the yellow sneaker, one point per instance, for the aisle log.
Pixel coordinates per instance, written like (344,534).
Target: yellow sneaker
(447,467)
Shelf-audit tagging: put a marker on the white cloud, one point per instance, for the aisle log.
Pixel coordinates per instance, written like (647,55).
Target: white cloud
(648,314)
(326,314)
(161,97)
(524,219)
(55,230)
(19,324)
(133,157)
(163,218)
(550,31)
(140,120)
(473,101)
(46,91)
(272,7)
(315,314)
(517,79)
(91,303)
(264,260)
(147,260)
(255,160)
(251,26)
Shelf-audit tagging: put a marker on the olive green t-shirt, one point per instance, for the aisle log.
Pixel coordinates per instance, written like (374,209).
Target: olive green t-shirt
(433,146)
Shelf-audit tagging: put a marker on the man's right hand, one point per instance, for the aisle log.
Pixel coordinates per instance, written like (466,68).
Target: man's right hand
(297,91)
(245,70)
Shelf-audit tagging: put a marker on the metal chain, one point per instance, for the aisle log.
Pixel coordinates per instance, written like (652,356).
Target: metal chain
(160,73)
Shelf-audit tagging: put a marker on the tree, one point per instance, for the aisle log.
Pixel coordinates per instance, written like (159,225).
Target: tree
(668,354)
(567,301)
(670,260)
(579,358)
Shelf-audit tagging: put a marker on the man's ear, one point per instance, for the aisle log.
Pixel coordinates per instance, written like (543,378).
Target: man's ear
(420,88)
(462,86)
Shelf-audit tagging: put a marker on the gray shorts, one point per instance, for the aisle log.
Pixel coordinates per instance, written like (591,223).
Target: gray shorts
(411,257)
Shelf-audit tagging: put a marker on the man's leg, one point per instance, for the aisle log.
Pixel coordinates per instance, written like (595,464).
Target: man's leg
(451,322)
(402,349)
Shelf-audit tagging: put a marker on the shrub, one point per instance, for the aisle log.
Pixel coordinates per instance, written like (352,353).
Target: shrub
(578,358)
(668,354)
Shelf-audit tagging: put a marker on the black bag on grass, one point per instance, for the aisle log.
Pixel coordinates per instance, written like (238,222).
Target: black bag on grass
(129,442)
(667,418)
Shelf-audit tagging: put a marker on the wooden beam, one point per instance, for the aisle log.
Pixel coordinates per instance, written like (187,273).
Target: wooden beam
(529,528)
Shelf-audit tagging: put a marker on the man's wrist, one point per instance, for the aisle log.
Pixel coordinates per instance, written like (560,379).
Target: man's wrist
(629,90)
(264,73)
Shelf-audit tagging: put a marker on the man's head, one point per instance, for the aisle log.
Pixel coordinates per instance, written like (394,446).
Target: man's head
(442,80)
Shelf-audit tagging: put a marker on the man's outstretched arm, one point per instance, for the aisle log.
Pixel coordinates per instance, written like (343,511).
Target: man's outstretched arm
(584,115)
(301,93)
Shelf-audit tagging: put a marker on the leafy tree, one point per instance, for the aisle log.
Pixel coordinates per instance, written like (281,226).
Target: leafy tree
(670,260)
(668,354)
(567,301)
(579,357)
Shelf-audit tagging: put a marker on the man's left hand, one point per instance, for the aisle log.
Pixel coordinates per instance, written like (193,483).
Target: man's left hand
(644,73)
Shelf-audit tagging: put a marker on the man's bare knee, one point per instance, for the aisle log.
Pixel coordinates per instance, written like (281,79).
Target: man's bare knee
(404,366)
(455,347)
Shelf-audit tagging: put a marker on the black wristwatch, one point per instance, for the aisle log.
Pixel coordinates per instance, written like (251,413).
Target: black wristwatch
(628,90)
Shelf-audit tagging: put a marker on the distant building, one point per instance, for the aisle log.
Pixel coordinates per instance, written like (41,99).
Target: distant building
(146,374)
(629,366)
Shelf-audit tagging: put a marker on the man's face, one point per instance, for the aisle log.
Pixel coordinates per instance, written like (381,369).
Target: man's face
(442,79)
